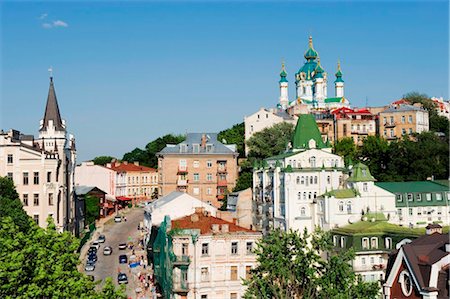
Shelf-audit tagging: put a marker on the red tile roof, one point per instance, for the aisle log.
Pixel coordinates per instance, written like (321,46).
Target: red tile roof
(126,167)
(203,222)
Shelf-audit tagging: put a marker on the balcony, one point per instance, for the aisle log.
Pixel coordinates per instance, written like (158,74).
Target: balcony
(182,169)
(389,125)
(222,183)
(182,182)
(181,260)
(221,169)
(180,287)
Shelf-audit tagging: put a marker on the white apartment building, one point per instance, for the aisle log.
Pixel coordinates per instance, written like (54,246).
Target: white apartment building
(89,174)
(43,169)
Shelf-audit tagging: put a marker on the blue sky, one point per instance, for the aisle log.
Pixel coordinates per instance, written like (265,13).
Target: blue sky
(126,73)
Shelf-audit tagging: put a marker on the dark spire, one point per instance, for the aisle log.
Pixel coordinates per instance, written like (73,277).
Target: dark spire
(52,110)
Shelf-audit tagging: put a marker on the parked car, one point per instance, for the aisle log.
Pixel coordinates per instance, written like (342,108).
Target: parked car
(95,244)
(101,239)
(122,278)
(123,259)
(122,246)
(90,266)
(92,257)
(92,249)
(107,250)
(118,218)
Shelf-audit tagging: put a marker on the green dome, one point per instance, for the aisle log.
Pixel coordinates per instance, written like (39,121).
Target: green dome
(339,74)
(283,74)
(318,72)
(310,54)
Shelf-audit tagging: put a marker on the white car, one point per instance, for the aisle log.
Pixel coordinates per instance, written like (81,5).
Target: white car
(107,250)
(95,244)
(122,246)
(90,266)
(117,219)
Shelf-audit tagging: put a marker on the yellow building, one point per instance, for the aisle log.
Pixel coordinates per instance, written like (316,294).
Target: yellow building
(399,120)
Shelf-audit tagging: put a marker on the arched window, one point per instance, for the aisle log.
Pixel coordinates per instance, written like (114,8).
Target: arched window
(302,180)
(311,180)
(315,179)
(303,211)
(388,243)
(335,240)
(349,207)
(309,195)
(299,195)
(365,243)
(304,195)
(298,180)
(342,242)
(374,242)
(341,206)
(312,161)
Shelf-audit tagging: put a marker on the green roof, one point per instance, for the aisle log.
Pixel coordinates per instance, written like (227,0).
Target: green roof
(361,173)
(443,182)
(333,100)
(412,187)
(308,68)
(364,227)
(281,156)
(283,74)
(342,193)
(305,130)
(339,74)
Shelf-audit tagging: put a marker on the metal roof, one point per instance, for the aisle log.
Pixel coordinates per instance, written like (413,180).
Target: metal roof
(213,146)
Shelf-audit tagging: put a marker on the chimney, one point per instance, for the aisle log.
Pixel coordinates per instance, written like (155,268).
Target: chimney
(204,140)
(215,228)
(225,228)
(433,228)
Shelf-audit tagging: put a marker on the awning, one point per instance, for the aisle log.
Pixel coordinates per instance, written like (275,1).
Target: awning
(123,198)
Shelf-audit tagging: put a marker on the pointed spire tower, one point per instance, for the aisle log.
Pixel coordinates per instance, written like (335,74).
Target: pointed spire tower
(339,83)
(284,96)
(52,118)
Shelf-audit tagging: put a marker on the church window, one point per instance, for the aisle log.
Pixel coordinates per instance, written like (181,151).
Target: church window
(406,283)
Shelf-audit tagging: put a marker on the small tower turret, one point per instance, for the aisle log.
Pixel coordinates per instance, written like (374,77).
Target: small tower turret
(319,85)
(339,83)
(284,97)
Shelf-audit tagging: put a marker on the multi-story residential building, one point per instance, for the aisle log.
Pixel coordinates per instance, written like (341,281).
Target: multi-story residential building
(442,107)
(399,120)
(201,166)
(135,181)
(372,240)
(419,203)
(354,123)
(89,174)
(420,268)
(206,257)
(286,187)
(265,118)
(43,169)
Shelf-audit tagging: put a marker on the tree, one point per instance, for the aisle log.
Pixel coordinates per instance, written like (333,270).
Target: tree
(346,148)
(374,153)
(270,141)
(234,135)
(92,208)
(244,181)
(10,205)
(290,266)
(102,160)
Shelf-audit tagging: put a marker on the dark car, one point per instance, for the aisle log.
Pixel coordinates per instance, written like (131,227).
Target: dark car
(92,257)
(123,259)
(92,249)
(101,239)
(122,278)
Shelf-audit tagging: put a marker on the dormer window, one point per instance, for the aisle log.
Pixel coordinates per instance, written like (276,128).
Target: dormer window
(209,148)
(364,172)
(406,283)
(183,148)
(312,161)
(196,148)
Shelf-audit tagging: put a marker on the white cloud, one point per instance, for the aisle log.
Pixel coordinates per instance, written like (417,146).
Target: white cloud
(47,25)
(43,16)
(59,23)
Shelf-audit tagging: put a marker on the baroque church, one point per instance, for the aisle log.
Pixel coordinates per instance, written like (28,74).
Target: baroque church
(311,85)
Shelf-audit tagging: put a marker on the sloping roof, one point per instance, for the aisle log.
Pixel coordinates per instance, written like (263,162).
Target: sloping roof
(305,130)
(412,187)
(361,173)
(121,166)
(364,227)
(52,110)
(196,138)
(82,190)
(342,193)
(204,224)
(334,100)
(402,108)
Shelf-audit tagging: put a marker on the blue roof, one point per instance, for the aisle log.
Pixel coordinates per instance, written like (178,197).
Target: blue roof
(213,146)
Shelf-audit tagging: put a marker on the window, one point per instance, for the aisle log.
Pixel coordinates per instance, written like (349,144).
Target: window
(342,242)
(388,243)
(208,191)
(410,196)
(50,199)
(385,132)
(196,190)
(403,119)
(399,212)
(10,175)
(36,219)
(10,159)
(303,211)
(365,187)
(309,195)
(410,131)
(392,120)
(328,179)
(36,178)
(419,211)
(392,133)
(25,178)
(374,242)
(25,199)
(410,119)
(234,247)
(372,260)
(418,197)
(204,297)
(36,199)
(196,177)
(315,179)
(248,272)
(428,195)
(302,180)
(406,283)
(209,177)
(384,120)
(365,243)
(310,180)
(312,160)
(410,211)
(205,248)
(304,195)
(399,197)
(249,247)
(363,260)
(341,206)
(298,180)
(196,148)
(196,164)
(439,210)
(403,131)
(208,148)
(299,195)
(438,196)
(251,128)
(335,238)
(205,274)
(184,248)
(349,207)
(234,273)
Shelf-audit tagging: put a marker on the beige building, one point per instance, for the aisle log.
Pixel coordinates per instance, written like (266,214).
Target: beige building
(43,169)
(399,120)
(201,166)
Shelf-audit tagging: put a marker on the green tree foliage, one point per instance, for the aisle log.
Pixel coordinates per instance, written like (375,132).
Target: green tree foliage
(244,181)
(102,160)
(290,266)
(270,141)
(346,148)
(92,208)
(10,205)
(147,156)
(374,153)
(234,135)
(40,263)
